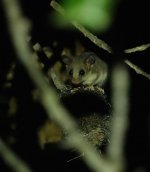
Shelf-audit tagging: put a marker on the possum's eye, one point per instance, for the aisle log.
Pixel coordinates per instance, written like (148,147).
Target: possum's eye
(71,72)
(81,72)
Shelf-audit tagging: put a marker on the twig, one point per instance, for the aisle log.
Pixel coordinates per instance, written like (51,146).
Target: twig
(137,69)
(12,160)
(19,30)
(100,43)
(77,157)
(138,48)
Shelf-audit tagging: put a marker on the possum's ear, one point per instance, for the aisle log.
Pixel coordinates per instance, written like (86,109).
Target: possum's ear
(66,56)
(66,59)
(90,60)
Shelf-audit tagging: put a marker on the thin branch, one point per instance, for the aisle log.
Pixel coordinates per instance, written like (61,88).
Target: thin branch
(138,48)
(19,31)
(11,159)
(137,69)
(100,43)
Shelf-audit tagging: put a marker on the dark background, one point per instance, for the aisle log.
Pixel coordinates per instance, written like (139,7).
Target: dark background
(129,29)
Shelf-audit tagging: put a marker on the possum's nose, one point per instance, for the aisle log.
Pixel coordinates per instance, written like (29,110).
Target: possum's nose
(75,81)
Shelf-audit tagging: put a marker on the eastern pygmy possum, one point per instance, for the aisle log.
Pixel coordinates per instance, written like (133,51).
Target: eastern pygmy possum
(86,70)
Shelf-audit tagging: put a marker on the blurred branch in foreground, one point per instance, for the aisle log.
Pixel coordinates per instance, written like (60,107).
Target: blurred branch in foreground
(49,98)
(120,102)
(12,160)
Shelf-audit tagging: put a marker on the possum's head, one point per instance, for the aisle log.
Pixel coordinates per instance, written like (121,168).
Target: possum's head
(79,68)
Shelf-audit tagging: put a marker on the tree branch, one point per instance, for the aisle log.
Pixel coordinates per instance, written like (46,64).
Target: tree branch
(99,42)
(137,69)
(138,48)
(12,160)
(120,82)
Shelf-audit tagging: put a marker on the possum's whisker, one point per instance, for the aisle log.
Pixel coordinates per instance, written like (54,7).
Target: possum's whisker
(81,155)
